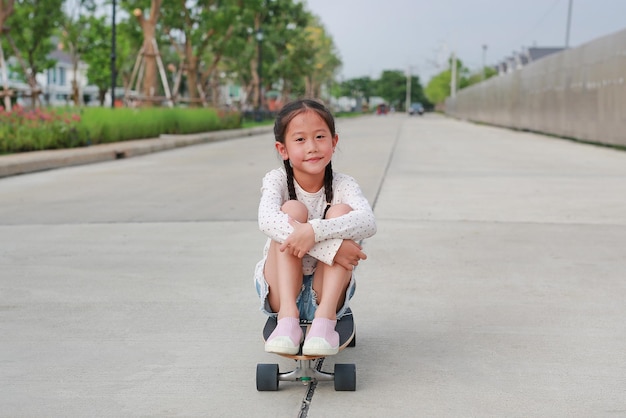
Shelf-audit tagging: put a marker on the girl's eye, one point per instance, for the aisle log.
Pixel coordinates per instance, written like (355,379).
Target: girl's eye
(320,137)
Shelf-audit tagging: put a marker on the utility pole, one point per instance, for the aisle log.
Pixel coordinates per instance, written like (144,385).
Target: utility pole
(113,72)
(259,70)
(453,76)
(484,59)
(408,89)
(569,23)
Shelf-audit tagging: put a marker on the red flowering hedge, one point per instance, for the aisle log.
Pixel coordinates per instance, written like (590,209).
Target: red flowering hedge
(29,130)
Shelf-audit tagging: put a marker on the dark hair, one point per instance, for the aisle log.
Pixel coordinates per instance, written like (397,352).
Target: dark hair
(284,117)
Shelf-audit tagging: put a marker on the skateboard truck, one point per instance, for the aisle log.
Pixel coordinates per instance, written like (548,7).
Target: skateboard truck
(268,376)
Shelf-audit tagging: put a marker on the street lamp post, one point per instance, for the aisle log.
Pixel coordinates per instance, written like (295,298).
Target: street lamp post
(569,23)
(484,59)
(453,75)
(113,72)
(408,89)
(259,70)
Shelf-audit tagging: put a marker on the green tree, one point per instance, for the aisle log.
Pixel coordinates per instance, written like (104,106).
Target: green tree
(29,35)
(199,31)
(480,76)
(98,55)
(438,88)
(240,54)
(417,93)
(363,87)
(6,10)
(73,28)
(392,87)
(286,51)
(325,61)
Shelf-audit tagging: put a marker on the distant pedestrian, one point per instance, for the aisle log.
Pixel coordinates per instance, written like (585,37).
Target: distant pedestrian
(313,218)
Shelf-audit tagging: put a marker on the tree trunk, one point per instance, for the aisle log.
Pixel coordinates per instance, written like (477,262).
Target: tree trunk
(31,75)
(5,81)
(148,26)
(6,10)
(256,92)
(286,91)
(75,88)
(192,77)
(76,93)
(150,75)
(215,90)
(308,86)
(102,92)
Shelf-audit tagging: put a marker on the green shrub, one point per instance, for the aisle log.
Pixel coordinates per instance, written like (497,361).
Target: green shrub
(121,124)
(29,130)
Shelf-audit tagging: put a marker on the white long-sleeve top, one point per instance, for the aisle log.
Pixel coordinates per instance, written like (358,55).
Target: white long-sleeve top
(329,233)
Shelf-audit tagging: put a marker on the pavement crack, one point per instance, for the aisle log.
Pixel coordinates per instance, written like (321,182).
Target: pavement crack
(308,398)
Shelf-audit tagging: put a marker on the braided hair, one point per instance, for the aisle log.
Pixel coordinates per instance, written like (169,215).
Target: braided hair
(284,117)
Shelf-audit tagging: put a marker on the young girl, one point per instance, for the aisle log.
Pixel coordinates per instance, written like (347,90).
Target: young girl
(313,217)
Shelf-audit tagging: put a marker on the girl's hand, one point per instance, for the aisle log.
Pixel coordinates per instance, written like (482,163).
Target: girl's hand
(349,254)
(300,241)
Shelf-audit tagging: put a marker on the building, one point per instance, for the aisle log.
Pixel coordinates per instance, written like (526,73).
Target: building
(527,56)
(55,83)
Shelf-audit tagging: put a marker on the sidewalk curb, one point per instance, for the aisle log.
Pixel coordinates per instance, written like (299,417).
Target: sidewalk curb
(30,162)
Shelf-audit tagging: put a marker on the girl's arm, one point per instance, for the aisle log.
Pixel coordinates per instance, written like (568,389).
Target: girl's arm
(273,222)
(359,224)
(329,234)
(356,225)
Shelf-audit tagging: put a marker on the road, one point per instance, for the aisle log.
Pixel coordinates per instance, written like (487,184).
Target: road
(494,286)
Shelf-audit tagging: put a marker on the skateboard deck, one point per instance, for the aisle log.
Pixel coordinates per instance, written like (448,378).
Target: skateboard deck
(344,327)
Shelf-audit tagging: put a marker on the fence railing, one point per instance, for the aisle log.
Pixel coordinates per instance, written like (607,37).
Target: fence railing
(578,93)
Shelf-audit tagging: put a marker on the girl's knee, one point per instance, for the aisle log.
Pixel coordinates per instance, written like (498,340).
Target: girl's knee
(338,210)
(296,210)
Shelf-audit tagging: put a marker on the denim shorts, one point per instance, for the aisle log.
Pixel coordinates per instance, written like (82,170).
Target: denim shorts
(306,300)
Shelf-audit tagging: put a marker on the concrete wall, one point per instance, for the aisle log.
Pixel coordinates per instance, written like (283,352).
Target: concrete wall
(578,93)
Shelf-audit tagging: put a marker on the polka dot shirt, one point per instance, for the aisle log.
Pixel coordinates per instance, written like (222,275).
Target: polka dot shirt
(329,233)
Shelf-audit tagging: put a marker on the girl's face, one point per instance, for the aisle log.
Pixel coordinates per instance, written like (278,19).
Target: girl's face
(309,146)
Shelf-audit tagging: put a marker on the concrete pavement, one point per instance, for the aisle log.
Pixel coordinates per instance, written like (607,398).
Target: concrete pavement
(494,286)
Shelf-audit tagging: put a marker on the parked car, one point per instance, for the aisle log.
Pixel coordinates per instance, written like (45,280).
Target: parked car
(416,109)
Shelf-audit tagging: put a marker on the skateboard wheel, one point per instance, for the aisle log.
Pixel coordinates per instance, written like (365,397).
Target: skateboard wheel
(345,377)
(266,377)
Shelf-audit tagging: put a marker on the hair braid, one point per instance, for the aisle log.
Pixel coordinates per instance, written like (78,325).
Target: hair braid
(328,187)
(290,186)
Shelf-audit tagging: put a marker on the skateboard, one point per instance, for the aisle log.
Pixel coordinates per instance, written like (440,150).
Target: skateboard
(344,376)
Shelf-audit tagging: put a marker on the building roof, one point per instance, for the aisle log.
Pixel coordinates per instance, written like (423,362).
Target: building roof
(519,60)
(60,56)
(536,53)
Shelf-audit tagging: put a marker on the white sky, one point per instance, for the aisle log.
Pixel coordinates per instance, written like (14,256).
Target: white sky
(373,36)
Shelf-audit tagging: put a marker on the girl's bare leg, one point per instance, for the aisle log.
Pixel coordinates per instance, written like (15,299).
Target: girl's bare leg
(330,284)
(283,273)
